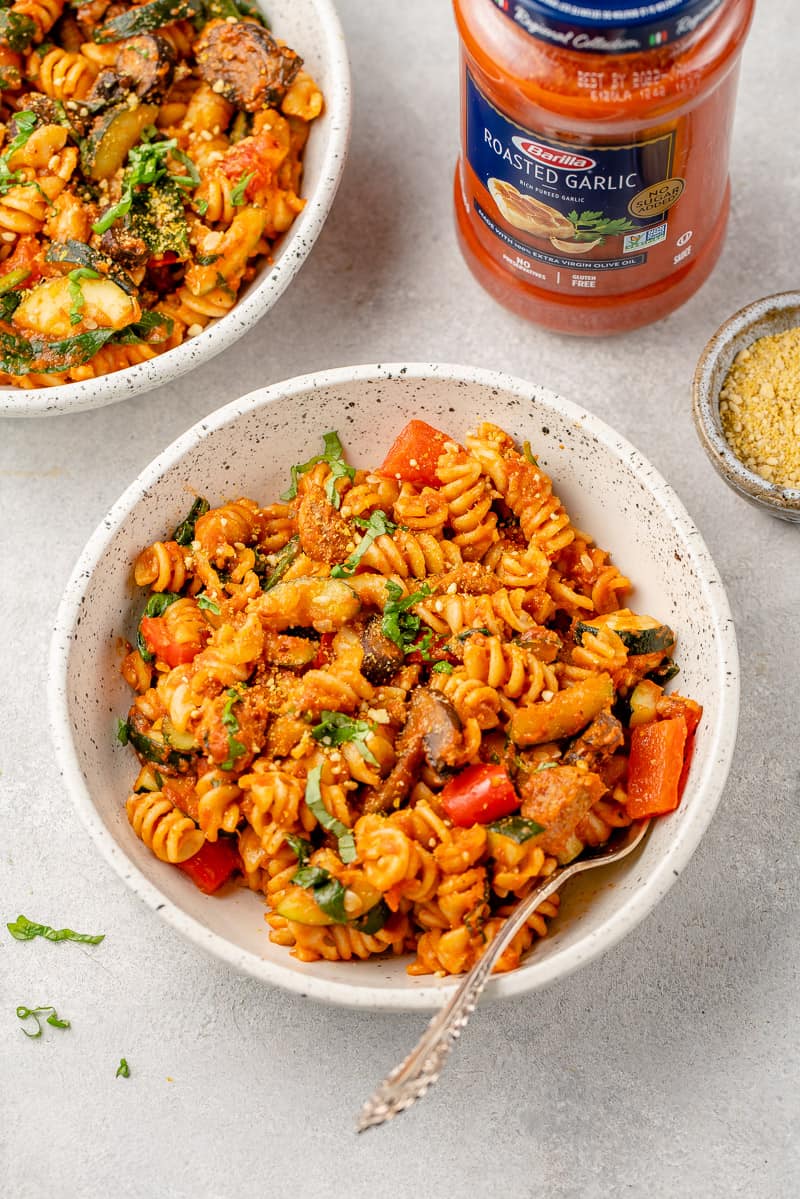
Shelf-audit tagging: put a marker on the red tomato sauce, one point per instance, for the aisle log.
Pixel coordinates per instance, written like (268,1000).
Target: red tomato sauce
(592,191)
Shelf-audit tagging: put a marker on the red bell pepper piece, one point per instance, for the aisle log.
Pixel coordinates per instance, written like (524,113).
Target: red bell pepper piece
(157,638)
(479,794)
(212,865)
(325,651)
(414,454)
(655,766)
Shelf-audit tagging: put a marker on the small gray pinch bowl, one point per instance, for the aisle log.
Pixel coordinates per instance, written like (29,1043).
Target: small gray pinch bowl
(762,318)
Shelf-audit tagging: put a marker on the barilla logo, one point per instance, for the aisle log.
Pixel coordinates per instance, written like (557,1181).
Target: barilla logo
(562,160)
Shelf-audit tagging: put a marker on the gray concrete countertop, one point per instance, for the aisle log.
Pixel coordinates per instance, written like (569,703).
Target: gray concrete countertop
(668,1068)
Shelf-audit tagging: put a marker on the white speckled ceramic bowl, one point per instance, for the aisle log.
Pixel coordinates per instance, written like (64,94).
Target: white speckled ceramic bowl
(247,448)
(313,28)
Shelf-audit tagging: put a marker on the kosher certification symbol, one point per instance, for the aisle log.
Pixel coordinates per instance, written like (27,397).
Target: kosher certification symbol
(657,198)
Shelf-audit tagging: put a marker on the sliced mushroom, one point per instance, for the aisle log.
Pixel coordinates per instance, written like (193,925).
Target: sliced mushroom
(124,247)
(147,63)
(432,733)
(441,740)
(246,64)
(381,656)
(596,743)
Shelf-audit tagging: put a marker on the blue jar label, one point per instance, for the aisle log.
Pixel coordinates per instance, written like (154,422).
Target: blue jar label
(586,208)
(621,27)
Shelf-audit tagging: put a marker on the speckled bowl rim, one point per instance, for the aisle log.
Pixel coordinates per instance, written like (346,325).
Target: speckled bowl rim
(535,974)
(705,407)
(220,334)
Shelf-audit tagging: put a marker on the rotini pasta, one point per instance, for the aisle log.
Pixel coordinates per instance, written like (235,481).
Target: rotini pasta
(391,707)
(144,175)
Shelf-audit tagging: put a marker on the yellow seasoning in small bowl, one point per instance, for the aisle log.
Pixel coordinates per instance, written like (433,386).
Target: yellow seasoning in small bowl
(760,407)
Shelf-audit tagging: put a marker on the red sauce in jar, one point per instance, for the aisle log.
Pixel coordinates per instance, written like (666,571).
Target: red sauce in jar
(592,191)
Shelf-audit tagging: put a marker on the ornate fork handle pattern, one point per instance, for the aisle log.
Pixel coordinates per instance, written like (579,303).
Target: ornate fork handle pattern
(422,1068)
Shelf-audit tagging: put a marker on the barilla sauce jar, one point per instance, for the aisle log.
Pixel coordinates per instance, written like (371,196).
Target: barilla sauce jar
(592,191)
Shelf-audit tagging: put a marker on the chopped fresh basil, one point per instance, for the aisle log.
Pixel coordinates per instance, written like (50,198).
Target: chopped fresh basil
(327,891)
(202,207)
(238,196)
(123,1069)
(23,929)
(544,766)
(206,603)
(184,534)
(123,732)
(399,624)
(25,122)
(528,452)
(13,279)
(235,748)
(38,1014)
(192,176)
(335,729)
(443,667)
(333,454)
(155,606)
(378,525)
(147,166)
(347,845)
(76,296)
(517,828)
(299,846)
(9,303)
(152,327)
(283,561)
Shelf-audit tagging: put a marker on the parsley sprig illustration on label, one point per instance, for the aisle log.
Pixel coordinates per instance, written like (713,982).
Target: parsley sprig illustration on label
(589,226)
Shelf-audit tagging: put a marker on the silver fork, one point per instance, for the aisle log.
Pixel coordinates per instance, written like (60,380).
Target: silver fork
(409,1081)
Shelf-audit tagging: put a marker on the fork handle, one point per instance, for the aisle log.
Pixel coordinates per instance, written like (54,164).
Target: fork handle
(421,1069)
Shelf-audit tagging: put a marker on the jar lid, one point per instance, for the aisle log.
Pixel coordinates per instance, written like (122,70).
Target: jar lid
(616,27)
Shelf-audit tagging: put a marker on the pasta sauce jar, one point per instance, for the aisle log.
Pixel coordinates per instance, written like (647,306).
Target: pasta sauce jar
(592,190)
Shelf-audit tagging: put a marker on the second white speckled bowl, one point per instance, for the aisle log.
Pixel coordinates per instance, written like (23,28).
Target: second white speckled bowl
(247,448)
(313,28)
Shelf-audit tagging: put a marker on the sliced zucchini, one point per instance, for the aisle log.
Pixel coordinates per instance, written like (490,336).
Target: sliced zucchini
(665,672)
(148,779)
(516,828)
(374,919)
(112,135)
(76,253)
(185,742)
(49,307)
(13,279)
(567,713)
(294,652)
(17,30)
(154,749)
(640,634)
(300,905)
(572,847)
(158,216)
(643,702)
(147,17)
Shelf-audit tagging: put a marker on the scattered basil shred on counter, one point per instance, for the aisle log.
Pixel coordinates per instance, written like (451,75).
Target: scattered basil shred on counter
(23,929)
